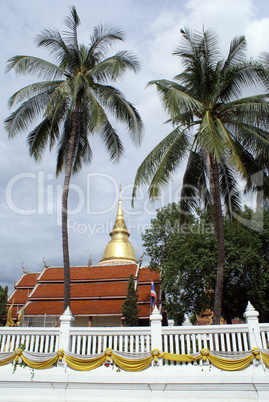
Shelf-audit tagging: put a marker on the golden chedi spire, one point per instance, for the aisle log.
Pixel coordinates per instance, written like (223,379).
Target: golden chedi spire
(119,249)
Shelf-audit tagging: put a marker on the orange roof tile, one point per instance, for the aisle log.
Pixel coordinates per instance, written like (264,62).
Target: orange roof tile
(91,290)
(20,296)
(95,290)
(105,272)
(81,290)
(81,307)
(146,275)
(144,292)
(95,272)
(44,307)
(28,280)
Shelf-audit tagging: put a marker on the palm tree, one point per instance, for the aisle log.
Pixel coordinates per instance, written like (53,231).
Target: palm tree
(71,101)
(213,128)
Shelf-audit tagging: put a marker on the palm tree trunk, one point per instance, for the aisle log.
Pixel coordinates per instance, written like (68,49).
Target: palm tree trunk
(67,178)
(218,226)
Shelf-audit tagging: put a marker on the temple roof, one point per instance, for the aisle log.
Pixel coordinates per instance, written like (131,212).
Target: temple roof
(96,290)
(104,272)
(83,308)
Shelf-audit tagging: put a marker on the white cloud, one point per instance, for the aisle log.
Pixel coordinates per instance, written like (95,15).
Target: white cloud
(257,36)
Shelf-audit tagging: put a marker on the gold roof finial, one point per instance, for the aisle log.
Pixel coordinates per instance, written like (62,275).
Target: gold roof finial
(24,270)
(119,247)
(45,264)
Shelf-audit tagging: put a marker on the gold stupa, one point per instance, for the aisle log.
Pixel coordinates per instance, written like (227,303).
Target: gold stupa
(119,249)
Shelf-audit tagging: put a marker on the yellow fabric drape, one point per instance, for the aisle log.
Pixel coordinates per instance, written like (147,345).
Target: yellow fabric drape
(34,363)
(40,365)
(265,358)
(234,364)
(230,364)
(220,362)
(126,364)
(180,358)
(132,364)
(7,360)
(84,363)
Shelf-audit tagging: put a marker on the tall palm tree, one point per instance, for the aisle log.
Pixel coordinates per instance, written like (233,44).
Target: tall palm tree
(71,101)
(214,130)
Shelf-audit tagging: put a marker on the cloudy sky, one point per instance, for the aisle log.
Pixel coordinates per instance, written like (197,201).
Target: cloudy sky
(30,196)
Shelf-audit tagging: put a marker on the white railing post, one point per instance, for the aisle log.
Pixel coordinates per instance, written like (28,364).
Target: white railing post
(156,329)
(251,316)
(66,322)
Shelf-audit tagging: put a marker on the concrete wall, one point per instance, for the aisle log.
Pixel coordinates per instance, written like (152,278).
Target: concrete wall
(169,383)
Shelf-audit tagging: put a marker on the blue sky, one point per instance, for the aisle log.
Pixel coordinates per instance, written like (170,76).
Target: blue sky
(30,194)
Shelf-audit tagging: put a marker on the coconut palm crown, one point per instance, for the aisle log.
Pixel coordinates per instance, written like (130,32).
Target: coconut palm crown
(215,131)
(70,103)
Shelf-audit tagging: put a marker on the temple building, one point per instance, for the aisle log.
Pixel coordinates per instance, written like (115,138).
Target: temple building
(97,292)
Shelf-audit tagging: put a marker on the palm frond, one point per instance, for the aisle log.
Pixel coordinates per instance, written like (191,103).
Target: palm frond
(228,189)
(198,53)
(239,76)
(157,167)
(210,47)
(251,110)
(237,53)
(78,86)
(235,154)
(94,109)
(112,141)
(38,138)
(194,190)
(77,101)
(34,65)
(113,67)
(168,165)
(251,137)
(176,100)
(25,115)
(72,22)
(196,47)
(32,90)
(83,154)
(124,111)
(258,174)
(61,95)
(264,57)
(101,40)
(209,137)
(62,149)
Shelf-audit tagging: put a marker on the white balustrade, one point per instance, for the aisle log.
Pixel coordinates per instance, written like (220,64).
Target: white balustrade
(184,339)
(264,331)
(122,339)
(42,340)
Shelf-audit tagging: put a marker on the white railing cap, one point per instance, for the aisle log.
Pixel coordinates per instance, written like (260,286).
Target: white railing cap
(250,311)
(67,315)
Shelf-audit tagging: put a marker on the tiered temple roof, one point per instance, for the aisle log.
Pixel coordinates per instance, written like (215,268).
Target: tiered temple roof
(95,290)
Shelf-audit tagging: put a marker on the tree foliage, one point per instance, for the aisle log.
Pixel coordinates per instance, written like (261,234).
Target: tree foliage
(71,104)
(129,307)
(3,305)
(187,258)
(218,132)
